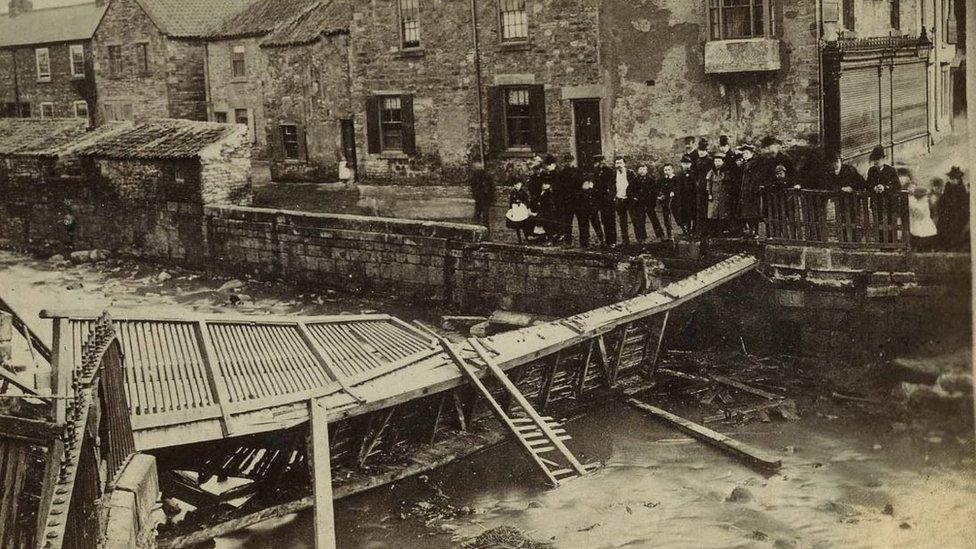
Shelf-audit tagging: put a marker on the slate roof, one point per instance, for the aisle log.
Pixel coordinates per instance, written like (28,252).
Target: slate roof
(325,18)
(259,18)
(38,136)
(190,18)
(156,139)
(64,24)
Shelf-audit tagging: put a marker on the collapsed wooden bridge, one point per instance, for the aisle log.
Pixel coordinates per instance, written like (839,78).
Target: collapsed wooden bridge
(217,398)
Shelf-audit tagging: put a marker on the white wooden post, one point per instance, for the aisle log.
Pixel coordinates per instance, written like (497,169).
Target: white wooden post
(318,452)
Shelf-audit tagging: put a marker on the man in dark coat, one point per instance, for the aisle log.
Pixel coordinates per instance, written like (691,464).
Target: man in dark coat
(686,191)
(772,156)
(750,190)
(667,188)
(483,193)
(643,194)
(703,163)
(882,177)
(586,204)
(603,189)
(840,177)
(565,184)
(954,213)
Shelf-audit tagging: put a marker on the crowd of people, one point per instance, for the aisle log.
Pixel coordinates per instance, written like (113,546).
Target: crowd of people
(712,191)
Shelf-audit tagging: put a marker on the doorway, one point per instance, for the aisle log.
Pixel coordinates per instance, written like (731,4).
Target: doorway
(589,140)
(348,138)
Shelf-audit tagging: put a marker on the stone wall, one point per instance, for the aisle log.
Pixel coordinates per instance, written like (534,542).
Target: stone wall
(130,517)
(18,79)
(653,55)
(308,86)
(229,93)
(186,83)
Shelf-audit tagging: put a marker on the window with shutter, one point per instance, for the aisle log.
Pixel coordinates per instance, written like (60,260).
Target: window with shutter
(409,23)
(290,142)
(517,118)
(391,123)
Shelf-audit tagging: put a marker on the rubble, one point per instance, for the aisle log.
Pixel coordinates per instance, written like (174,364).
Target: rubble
(504,536)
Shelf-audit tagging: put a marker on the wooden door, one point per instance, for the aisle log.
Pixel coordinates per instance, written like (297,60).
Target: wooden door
(586,116)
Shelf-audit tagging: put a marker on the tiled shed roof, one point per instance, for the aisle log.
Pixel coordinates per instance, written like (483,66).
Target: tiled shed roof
(325,18)
(42,26)
(190,18)
(157,139)
(35,136)
(260,18)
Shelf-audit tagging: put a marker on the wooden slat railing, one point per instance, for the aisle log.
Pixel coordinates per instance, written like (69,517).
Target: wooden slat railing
(860,220)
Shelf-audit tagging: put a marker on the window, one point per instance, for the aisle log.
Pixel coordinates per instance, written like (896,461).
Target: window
(518,118)
(849,20)
(391,123)
(732,19)
(47,110)
(142,53)
(240,116)
(179,172)
(43,58)
(77,55)
(81,109)
(220,117)
(289,141)
(945,108)
(514,20)
(409,23)
(895,13)
(237,66)
(115,61)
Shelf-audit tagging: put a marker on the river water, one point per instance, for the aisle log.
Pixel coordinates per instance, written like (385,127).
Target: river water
(658,488)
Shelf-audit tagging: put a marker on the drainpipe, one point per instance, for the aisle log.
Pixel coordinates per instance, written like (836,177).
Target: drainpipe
(206,78)
(820,74)
(13,57)
(477,79)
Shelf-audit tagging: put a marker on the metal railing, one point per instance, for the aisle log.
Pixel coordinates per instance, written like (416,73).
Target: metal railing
(858,220)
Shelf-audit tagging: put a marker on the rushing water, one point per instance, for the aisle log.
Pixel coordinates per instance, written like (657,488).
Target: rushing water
(661,489)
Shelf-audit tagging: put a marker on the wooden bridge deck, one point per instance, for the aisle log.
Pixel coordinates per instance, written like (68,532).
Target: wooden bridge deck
(196,379)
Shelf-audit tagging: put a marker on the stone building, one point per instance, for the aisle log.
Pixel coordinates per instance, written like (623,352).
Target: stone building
(150,57)
(46,62)
(237,71)
(416,90)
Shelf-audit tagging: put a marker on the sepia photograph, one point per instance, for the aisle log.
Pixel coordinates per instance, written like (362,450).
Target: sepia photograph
(487,274)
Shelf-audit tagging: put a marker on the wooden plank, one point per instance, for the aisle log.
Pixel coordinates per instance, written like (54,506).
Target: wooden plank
(584,370)
(9,377)
(520,399)
(193,318)
(373,435)
(29,430)
(325,363)
(615,370)
(218,387)
(61,367)
(35,342)
(545,391)
(601,347)
(320,462)
(752,456)
(660,341)
(743,387)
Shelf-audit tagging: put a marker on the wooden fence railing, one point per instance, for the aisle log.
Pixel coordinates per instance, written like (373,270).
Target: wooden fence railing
(865,220)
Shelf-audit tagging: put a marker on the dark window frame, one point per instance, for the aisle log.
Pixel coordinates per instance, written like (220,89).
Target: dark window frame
(391,123)
(115,62)
(46,75)
(408,12)
(726,22)
(894,14)
(518,118)
(290,142)
(74,107)
(513,17)
(142,54)
(220,117)
(848,15)
(75,65)
(238,62)
(41,106)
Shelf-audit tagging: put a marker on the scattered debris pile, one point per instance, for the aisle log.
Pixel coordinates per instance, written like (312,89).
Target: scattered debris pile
(505,537)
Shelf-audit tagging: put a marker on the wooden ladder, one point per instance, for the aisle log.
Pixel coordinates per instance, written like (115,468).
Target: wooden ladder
(540,438)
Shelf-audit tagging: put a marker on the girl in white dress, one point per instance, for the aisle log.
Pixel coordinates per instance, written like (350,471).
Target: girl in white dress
(920,220)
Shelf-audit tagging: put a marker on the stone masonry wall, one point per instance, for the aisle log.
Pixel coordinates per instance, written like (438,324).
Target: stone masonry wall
(186,84)
(125,24)
(307,86)
(653,55)
(228,93)
(131,518)
(62,90)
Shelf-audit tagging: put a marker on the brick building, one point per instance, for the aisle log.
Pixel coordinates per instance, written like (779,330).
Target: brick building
(150,57)
(415,90)
(46,62)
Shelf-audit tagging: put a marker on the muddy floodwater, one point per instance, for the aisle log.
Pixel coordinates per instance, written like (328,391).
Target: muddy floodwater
(852,476)
(658,488)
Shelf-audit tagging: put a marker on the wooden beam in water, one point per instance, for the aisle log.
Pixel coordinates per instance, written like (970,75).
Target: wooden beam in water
(752,456)
(320,462)
(601,347)
(548,373)
(660,341)
(584,370)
